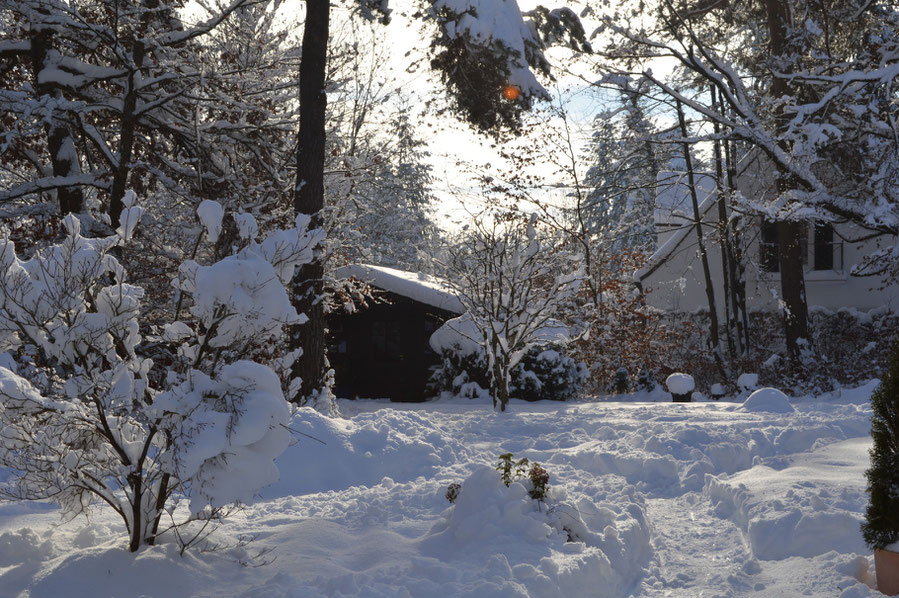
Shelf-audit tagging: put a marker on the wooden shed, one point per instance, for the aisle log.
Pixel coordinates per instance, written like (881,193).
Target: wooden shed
(382,351)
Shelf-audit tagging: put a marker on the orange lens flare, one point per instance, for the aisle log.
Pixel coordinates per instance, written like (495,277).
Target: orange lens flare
(511,93)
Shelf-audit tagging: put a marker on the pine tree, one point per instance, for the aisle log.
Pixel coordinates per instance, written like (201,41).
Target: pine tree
(881,527)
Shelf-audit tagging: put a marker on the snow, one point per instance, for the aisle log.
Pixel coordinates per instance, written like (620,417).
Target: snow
(767,399)
(458,334)
(748,381)
(659,499)
(210,213)
(416,286)
(462,334)
(680,384)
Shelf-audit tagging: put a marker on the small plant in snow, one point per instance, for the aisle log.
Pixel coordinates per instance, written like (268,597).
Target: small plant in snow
(512,471)
(539,478)
(100,411)
(452,492)
(509,469)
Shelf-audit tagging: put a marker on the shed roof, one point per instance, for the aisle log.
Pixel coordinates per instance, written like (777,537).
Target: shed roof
(417,286)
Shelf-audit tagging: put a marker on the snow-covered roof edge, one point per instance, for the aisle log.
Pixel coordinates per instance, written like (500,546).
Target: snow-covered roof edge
(423,288)
(670,246)
(673,201)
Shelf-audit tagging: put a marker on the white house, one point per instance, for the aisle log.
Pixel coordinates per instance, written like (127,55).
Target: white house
(673,277)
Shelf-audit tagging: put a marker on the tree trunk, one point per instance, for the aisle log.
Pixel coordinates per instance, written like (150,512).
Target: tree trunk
(792,285)
(724,244)
(792,280)
(60,143)
(737,268)
(126,142)
(500,377)
(309,197)
(137,524)
(703,254)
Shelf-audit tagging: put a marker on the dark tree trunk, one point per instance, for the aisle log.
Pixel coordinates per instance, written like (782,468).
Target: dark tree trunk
(60,143)
(126,143)
(135,480)
(737,268)
(309,196)
(724,241)
(792,285)
(703,254)
(792,280)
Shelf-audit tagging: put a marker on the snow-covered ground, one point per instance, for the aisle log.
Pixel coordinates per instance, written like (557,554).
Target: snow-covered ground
(646,499)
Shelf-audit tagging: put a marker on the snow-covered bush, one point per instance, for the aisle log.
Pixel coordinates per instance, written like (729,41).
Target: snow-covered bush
(96,408)
(544,372)
(513,288)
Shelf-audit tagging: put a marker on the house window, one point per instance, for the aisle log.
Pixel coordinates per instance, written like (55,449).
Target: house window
(769,260)
(822,255)
(824,246)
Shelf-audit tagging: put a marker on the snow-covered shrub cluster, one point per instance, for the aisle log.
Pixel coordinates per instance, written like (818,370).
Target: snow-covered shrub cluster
(545,372)
(96,407)
(512,283)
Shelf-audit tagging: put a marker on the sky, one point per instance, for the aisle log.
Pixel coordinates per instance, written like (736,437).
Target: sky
(458,155)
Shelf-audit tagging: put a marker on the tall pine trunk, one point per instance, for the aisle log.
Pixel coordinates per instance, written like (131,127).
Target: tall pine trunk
(309,197)
(792,280)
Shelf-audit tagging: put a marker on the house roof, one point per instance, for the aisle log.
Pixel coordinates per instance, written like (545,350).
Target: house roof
(674,211)
(417,286)
(673,202)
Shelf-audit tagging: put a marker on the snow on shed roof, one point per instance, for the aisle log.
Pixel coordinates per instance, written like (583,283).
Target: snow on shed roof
(674,208)
(414,285)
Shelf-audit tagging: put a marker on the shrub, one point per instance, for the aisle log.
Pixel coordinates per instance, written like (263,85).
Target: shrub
(95,408)
(544,373)
(452,492)
(511,471)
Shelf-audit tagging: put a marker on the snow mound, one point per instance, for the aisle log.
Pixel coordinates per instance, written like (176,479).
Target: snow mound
(680,384)
(805,509)
(561,547)
(769,400)
(334,454)
(23,546)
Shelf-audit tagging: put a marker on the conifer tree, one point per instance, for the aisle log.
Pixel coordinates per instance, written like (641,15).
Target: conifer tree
(881,527)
